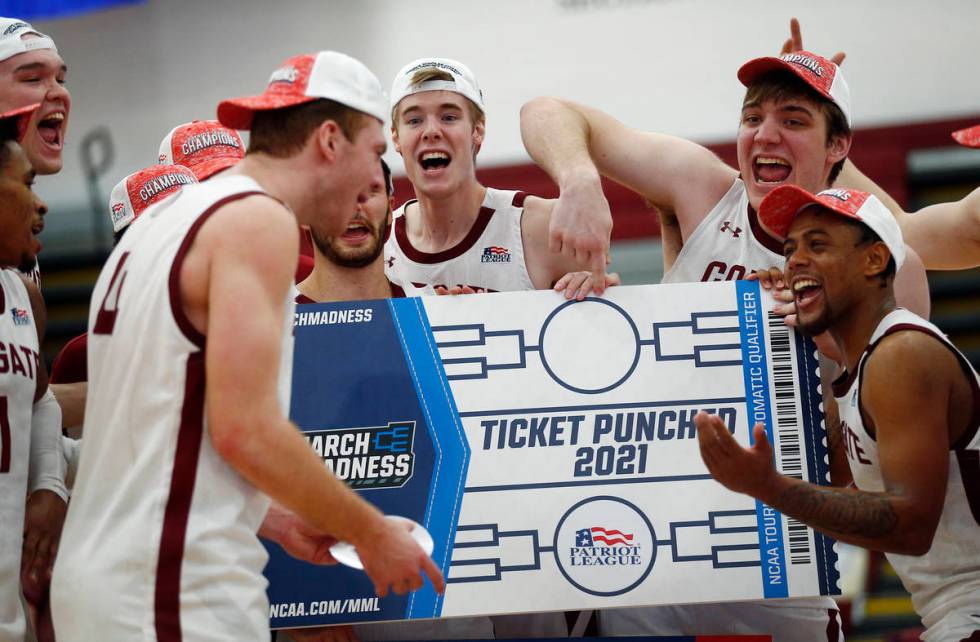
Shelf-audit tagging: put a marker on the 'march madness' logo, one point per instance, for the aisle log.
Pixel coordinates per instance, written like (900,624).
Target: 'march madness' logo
(605,546)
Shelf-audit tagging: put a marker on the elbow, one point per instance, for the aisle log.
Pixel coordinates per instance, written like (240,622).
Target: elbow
(912,285)
(229,439)
(916,537)
(540,105)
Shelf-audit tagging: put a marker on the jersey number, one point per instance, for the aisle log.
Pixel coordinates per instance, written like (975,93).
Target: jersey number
(105,320)
(4,437)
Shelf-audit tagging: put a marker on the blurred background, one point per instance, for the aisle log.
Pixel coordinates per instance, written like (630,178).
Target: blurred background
(138,68)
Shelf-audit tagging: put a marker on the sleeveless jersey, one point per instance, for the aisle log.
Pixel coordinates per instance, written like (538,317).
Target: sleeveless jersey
(160,538)
(728,244)
(491,256)
(947,578)
(19,359)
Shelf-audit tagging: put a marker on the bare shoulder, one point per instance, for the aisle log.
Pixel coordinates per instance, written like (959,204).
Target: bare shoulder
(910,361)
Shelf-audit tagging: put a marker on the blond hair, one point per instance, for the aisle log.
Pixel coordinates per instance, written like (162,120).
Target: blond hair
(434,73)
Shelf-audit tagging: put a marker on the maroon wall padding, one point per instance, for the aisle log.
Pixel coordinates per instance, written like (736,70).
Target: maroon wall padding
(880,152)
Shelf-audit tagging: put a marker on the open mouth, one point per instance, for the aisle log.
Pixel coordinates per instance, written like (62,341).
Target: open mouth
(771,170)
(805,291)
(356,232)
(50,128)
(434,161)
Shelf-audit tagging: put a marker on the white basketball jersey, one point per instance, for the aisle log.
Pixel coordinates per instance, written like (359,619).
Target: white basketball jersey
(728,244)
(947,578)
(160,538)
(19,359)
(491,256)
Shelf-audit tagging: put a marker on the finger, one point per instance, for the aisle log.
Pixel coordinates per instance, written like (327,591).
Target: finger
(785,296)
(753,276)
(381,588)
(597,266)
(574,283)
(441,290)
(787,47)
(29,551)
(838,58)
(434,574)
(562,283)
(761,440)
(468,290)
(792,320)
(613,279)
(777,277)
(794,30)
(42,557)
(783,309)
(588,285)
(416,582)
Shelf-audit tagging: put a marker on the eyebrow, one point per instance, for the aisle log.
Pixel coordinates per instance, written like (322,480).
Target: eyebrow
(791,107)
(415,108)
(38,66)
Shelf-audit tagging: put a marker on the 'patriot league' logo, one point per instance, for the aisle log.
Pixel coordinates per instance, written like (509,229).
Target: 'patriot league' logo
(366,458)
(495,254)
(20,316)
(589,536)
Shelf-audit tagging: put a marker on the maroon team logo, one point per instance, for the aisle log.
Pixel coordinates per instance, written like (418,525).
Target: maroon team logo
(727,227)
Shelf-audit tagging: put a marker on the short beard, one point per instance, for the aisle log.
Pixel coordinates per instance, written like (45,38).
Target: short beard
(27,265)
(360,260)
(818,326)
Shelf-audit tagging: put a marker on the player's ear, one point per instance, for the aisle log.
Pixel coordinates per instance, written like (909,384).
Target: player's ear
(479,131)
(876,259)
(394,139)
(838,148)
(327,139)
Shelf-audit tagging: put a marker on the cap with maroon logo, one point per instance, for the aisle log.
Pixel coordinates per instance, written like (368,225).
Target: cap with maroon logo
(303,79)
(133,194)
(822,75)
(205,147)
(969,137)
(783,204)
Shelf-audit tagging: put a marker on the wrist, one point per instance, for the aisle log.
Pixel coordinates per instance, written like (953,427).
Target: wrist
(582,177)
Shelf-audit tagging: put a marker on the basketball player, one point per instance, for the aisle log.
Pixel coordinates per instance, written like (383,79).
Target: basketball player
(186,439)
(30,420)
(794,129)
(908,404)
(456,232)
(31,71)
(946,236)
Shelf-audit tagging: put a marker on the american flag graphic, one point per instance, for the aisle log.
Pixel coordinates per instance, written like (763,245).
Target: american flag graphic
(609,537)
(493,249)
(20,316)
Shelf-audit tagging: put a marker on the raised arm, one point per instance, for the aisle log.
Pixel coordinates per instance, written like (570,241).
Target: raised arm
(247,288)
(576,144)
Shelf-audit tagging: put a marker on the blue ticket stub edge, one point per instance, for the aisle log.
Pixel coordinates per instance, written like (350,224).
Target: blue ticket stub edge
(755,370)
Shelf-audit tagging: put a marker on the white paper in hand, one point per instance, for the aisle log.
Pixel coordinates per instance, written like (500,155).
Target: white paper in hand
(346,554)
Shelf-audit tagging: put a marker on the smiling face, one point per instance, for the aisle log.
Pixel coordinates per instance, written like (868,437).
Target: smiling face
(438,139)
(38,77)
(785,143)
(831,266)
(21,211)
(363,240)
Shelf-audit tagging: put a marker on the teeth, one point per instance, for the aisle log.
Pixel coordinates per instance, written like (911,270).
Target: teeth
(771,161)
(801,284)
(435,155)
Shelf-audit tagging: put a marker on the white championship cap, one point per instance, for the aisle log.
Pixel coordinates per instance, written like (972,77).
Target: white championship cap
(303,79)
(463,82)
(12,42)
(783,204)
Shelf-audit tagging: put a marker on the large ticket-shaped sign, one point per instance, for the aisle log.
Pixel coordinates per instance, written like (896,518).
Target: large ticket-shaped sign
(550,448)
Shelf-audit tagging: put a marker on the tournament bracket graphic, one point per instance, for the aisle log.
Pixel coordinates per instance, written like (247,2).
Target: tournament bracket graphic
(550,448)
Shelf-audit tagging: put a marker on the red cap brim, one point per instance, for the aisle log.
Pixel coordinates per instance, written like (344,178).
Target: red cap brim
(23,116)
(780,206)
(206,169)
(753,69)
(237,113)
(969,137)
